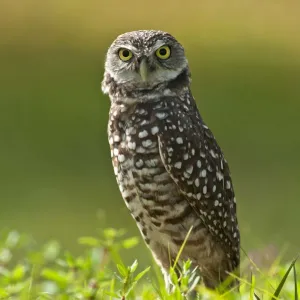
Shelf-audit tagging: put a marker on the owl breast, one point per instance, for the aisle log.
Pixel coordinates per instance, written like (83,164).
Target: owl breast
(146,187)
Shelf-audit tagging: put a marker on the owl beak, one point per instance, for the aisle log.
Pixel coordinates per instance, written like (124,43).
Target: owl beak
(144,69)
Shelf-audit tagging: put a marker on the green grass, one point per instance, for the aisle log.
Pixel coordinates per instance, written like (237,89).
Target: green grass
(29,271)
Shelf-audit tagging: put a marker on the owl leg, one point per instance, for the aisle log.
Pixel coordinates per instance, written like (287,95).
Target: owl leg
(216,277)
(164,260)
(211,277)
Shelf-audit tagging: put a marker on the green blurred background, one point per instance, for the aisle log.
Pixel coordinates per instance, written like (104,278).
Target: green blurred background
(56,179)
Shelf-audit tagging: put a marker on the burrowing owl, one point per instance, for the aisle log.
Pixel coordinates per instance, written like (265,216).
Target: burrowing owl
(171,172)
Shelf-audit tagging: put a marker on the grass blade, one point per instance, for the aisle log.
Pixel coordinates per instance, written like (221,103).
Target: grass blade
(256,297)
(282,282)
(182,246)
(295,281)
(252,287)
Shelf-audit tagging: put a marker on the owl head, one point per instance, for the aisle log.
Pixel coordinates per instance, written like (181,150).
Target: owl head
(145,58)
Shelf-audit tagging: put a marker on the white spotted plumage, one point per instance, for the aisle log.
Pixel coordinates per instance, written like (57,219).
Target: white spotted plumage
(171,172)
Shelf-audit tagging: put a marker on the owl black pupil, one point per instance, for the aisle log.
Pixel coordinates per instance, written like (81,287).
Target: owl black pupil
(125,53)
(163,51)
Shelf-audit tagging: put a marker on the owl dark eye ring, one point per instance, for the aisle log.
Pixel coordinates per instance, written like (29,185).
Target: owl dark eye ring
(163,52)
(125,54)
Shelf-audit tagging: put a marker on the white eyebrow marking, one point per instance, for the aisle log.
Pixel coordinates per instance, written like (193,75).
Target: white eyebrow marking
(158,44)
(126,46)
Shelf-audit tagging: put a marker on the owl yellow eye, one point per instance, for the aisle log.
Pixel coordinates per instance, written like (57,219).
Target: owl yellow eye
(163,52)
(125,54)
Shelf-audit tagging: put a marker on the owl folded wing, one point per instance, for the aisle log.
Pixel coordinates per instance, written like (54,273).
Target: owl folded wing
(195,162)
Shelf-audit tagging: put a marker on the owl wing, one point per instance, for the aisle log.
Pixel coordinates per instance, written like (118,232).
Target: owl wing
(196,163)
